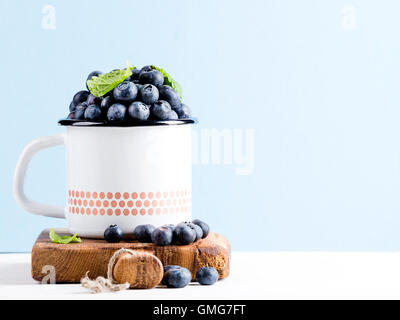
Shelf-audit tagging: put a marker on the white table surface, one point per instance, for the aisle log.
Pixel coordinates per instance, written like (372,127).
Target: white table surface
(256,275)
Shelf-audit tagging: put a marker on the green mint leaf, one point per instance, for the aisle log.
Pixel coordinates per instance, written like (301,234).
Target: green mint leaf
(54,237)
(100,85)
(169,81)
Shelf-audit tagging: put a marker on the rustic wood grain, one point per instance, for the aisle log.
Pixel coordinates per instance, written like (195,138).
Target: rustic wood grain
(72,261)
(142,271)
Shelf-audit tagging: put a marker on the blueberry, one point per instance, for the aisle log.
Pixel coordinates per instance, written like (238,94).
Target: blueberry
(125,92)
(183,111)
(92,74)
(113,234)
(116,112)
(149,94)
(143,232)
(172,115)
(153,77)
(161,109)
(80,110)
(91,99)
(177,278)
(169,226)
(72,106)
(146,69)
(198,230)
(167,268)
(161,236)
(204,226)
(170,95)
(183,234)
(93,112)
(139,111)
(80,96)
(135,74)
(71,116)
(207,275)
(105,103)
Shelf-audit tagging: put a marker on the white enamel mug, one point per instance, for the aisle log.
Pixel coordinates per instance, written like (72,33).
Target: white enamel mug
(124,175)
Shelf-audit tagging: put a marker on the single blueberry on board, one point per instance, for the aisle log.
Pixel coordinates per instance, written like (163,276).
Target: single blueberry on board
(177,278)
(113,234)
(80,111)
(169,94)
(125,92)
(93,112)
(139,111)
(161,109)
(80,96)
(161,236)
(116,112)
(184,234)
(149,94)
(143,232)
(207,275)
(197,229)
(204,226)
(153,77)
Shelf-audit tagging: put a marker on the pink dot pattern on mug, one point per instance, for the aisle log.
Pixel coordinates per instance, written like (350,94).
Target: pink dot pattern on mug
(82,202)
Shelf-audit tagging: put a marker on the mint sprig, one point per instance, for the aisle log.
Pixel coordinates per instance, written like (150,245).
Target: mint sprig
(169,81)
(54,237)
(100,85)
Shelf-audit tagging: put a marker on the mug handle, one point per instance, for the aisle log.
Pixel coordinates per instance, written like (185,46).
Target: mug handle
(19,177)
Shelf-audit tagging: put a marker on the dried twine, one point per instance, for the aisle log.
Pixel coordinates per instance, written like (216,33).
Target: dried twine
(101,284)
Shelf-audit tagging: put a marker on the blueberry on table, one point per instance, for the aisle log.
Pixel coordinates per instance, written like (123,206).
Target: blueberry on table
(204,226)
(80,96)
(184,234)
(207,275)
(92,74)
(143,232)
(80,111)
(139,111)
(153,77)
(72,106)
(149,94)
(113,234)
(116,112)
(170,95)
(161,109)
(125,92)
(183,111)
(93,112)
(177,278)
(167,268)
(161,236)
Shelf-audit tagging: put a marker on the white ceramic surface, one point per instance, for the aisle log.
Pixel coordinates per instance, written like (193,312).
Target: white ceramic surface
(118,175)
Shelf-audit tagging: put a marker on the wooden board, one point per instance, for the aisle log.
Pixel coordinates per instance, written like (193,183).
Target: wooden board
(72,261)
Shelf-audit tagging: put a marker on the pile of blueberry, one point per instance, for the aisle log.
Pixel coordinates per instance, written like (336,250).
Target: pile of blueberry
(142,96)
(182,233)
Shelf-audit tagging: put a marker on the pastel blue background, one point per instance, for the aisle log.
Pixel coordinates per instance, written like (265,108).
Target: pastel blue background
(323,101)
